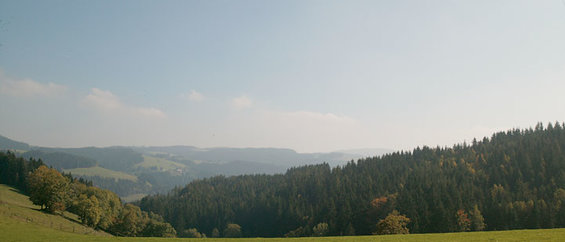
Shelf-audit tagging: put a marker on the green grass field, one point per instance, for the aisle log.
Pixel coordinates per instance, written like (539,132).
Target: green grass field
(159,164)
(133,197)
(19,215)
(21,221)
(102,172)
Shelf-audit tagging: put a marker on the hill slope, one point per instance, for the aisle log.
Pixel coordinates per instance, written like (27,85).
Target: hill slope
(113,158)
(276,157)
(515,179)
(17,213)
(150,170)
(20,221)
(8,144)
(60,160)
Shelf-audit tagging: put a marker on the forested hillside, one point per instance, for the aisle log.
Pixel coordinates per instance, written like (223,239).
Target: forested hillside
(60,160)
(515,179)
(114,158)
(9,144)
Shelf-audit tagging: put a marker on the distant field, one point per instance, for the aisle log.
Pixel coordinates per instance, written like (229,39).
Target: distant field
(159,164)
(102,172)
(21,221)
(19,152)
(133,197)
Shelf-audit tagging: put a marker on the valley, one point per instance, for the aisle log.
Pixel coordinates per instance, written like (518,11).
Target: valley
(133,172)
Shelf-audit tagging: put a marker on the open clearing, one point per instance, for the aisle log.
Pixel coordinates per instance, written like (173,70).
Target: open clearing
(159,164)
(101,172)
(133,197)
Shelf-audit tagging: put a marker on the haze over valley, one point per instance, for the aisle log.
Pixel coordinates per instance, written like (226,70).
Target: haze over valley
(133,172)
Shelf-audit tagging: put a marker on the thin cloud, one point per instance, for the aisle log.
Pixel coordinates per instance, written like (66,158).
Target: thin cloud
(304,131)
(106,101)
(29,87)
(194,96)
(241,102)
(149,112)
(103,100)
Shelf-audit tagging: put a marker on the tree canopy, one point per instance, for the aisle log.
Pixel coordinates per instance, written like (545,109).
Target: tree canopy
(48,189)
(394,223)
(514,179)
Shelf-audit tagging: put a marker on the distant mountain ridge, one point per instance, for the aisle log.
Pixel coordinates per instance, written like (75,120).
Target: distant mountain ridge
(276,156)
(366,152)
(114,158)
(152,165)
(9,144)
(60,160)
(108,156)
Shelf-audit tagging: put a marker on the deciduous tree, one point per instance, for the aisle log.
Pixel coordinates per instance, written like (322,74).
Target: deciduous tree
(232,231)
(394,223)
(48,189)
(463,221)
(320,229)
(215,233)
(88,210)
(191,233)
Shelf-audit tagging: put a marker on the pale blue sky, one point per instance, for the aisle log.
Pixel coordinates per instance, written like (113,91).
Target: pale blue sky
(307,75)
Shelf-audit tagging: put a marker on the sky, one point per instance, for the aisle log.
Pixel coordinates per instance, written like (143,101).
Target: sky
(310,75)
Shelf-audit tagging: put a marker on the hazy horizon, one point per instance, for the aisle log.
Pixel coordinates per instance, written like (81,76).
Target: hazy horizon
(312,76)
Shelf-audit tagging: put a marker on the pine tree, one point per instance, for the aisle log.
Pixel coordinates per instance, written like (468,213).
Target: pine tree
(477,220)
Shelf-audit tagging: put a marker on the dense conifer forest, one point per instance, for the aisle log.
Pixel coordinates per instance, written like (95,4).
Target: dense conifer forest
(512,180)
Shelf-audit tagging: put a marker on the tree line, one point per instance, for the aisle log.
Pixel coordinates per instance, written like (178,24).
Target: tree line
(98,208)
(512,180)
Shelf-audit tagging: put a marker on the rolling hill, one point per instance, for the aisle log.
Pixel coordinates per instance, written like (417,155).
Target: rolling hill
(100,172)
(21,221)
(132,172)
(8,144)
(60,160)
(513,180)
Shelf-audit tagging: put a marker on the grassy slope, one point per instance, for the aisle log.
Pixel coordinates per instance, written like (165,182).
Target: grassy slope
(20,218)
(102,172)
(20,221)
(159,164)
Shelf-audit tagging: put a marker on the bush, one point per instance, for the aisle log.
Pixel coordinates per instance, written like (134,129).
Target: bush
(191,233)
(320,229)
(394,223)
(232,231)
(299,232)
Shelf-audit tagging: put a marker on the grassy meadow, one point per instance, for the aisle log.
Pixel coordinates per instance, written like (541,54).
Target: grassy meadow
(19,217)
(160,164)
(133,197)
(20,220)
(102,172)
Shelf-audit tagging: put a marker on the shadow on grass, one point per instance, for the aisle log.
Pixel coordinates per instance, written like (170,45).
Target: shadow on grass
(60,214)
(71,219)
(18,191)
